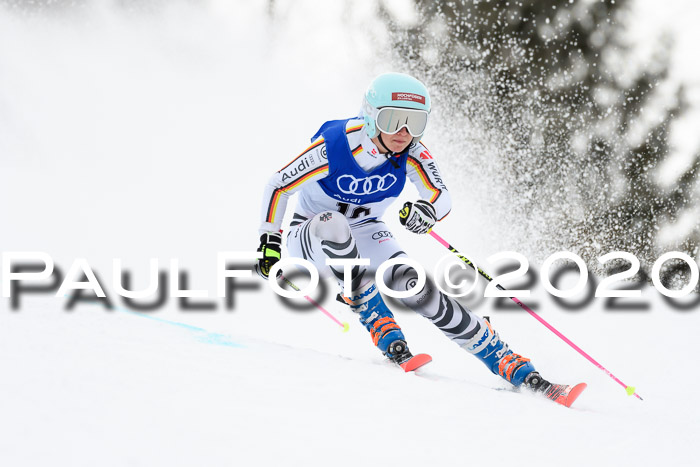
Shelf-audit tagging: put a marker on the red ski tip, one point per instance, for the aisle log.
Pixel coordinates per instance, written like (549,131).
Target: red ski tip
(416,362)
(573,394)
(563,394)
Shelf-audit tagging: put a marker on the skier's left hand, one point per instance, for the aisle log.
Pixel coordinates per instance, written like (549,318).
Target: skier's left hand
(418,217)
(271,248)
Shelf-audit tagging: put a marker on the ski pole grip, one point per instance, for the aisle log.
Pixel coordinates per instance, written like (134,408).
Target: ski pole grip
(403,213)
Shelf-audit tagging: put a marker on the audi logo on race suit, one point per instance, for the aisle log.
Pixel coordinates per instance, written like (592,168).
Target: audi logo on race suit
(382,234)
(366,185)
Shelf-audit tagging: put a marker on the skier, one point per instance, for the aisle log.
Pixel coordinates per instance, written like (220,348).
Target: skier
(353,170)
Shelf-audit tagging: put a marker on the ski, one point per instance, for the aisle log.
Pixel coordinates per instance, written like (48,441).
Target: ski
(560,393)
(416,362)
(564,394)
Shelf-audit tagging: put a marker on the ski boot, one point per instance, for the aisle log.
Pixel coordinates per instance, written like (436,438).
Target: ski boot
(487,346)
(376,317)
(559,393)
(386,334)
(516,369)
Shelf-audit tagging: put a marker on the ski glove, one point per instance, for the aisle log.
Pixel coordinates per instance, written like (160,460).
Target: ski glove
(271,247)
(418,217)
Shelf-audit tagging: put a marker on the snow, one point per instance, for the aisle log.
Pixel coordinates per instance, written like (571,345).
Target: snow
(134,135)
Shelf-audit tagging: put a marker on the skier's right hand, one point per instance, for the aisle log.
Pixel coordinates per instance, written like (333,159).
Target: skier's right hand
(271,248)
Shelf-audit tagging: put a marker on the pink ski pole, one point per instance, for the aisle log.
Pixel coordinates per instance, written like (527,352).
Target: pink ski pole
(345,325)
(629,389)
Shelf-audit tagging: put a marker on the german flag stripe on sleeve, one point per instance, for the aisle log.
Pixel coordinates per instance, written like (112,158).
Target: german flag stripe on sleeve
(314,145)
(272,208)
(355,128)
(357,150)
(424,178)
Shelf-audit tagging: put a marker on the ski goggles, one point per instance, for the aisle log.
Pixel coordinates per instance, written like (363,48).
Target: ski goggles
(391,120)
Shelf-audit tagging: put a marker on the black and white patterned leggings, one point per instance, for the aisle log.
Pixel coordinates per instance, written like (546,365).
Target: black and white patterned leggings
(329,235)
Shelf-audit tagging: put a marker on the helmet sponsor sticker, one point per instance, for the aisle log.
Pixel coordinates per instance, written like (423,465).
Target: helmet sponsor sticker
(407,96)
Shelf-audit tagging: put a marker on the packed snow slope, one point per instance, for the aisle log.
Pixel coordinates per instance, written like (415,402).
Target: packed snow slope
(150,134)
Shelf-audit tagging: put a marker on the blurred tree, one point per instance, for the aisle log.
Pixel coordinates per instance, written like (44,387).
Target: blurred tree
(577,130)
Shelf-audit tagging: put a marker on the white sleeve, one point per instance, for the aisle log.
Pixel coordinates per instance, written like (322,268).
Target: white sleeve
(309,167)
(423,171)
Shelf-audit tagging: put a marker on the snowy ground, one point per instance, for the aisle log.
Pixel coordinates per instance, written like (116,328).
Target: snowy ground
(265,385)
(136,136)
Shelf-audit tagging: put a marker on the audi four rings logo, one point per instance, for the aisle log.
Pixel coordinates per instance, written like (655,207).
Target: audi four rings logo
(382,234)
(366,185)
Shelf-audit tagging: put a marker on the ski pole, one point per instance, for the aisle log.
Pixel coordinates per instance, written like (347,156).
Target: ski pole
(345,325)
(629,389)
